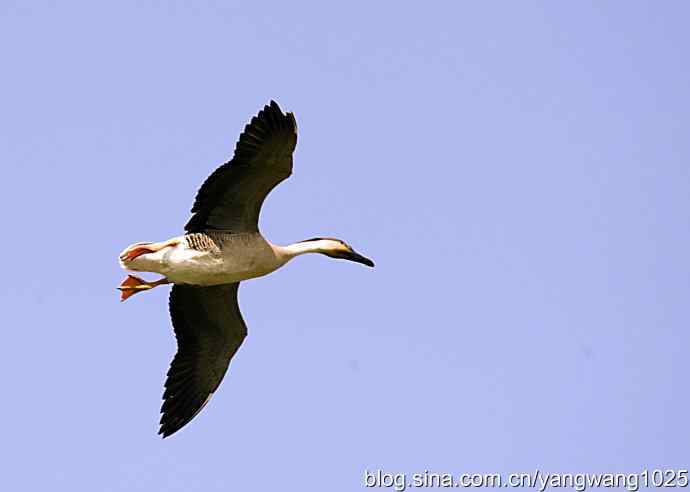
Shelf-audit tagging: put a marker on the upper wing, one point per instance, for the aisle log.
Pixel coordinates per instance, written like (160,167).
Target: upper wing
(230,199)
(209,330)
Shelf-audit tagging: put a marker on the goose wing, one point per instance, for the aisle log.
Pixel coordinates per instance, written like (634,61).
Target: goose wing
(209,330)
(231,198)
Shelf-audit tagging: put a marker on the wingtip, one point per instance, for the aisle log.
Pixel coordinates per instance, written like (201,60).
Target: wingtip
(273,106)
(279,117)
(165,431)
(293,121)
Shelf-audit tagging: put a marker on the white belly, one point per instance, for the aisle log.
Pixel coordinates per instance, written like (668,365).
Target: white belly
(182,265)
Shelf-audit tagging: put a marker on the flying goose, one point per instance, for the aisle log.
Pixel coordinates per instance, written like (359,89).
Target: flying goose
(222,246)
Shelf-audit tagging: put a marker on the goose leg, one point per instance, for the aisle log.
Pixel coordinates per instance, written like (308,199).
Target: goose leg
(133,284)
(139,249)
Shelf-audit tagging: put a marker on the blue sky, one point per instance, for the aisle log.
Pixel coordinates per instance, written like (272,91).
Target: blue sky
(517,170)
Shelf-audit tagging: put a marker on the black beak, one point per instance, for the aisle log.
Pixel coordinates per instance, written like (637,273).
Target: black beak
(353,256)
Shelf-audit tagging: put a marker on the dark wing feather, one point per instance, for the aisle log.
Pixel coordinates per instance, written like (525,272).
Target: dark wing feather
(209,330)
(231,197)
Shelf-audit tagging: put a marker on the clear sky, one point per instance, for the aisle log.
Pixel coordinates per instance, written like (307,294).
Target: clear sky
(519,171)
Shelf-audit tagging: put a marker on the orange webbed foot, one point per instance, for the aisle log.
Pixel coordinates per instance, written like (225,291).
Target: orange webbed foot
(130,286)
(139,249)
(135,251)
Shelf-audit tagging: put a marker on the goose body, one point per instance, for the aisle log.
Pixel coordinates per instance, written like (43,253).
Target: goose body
(212,258)
(222,247)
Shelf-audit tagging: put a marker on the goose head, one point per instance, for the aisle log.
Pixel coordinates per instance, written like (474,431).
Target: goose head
(337,248)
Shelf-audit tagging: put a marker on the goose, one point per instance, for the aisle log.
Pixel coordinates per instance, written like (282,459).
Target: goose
(221,247)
